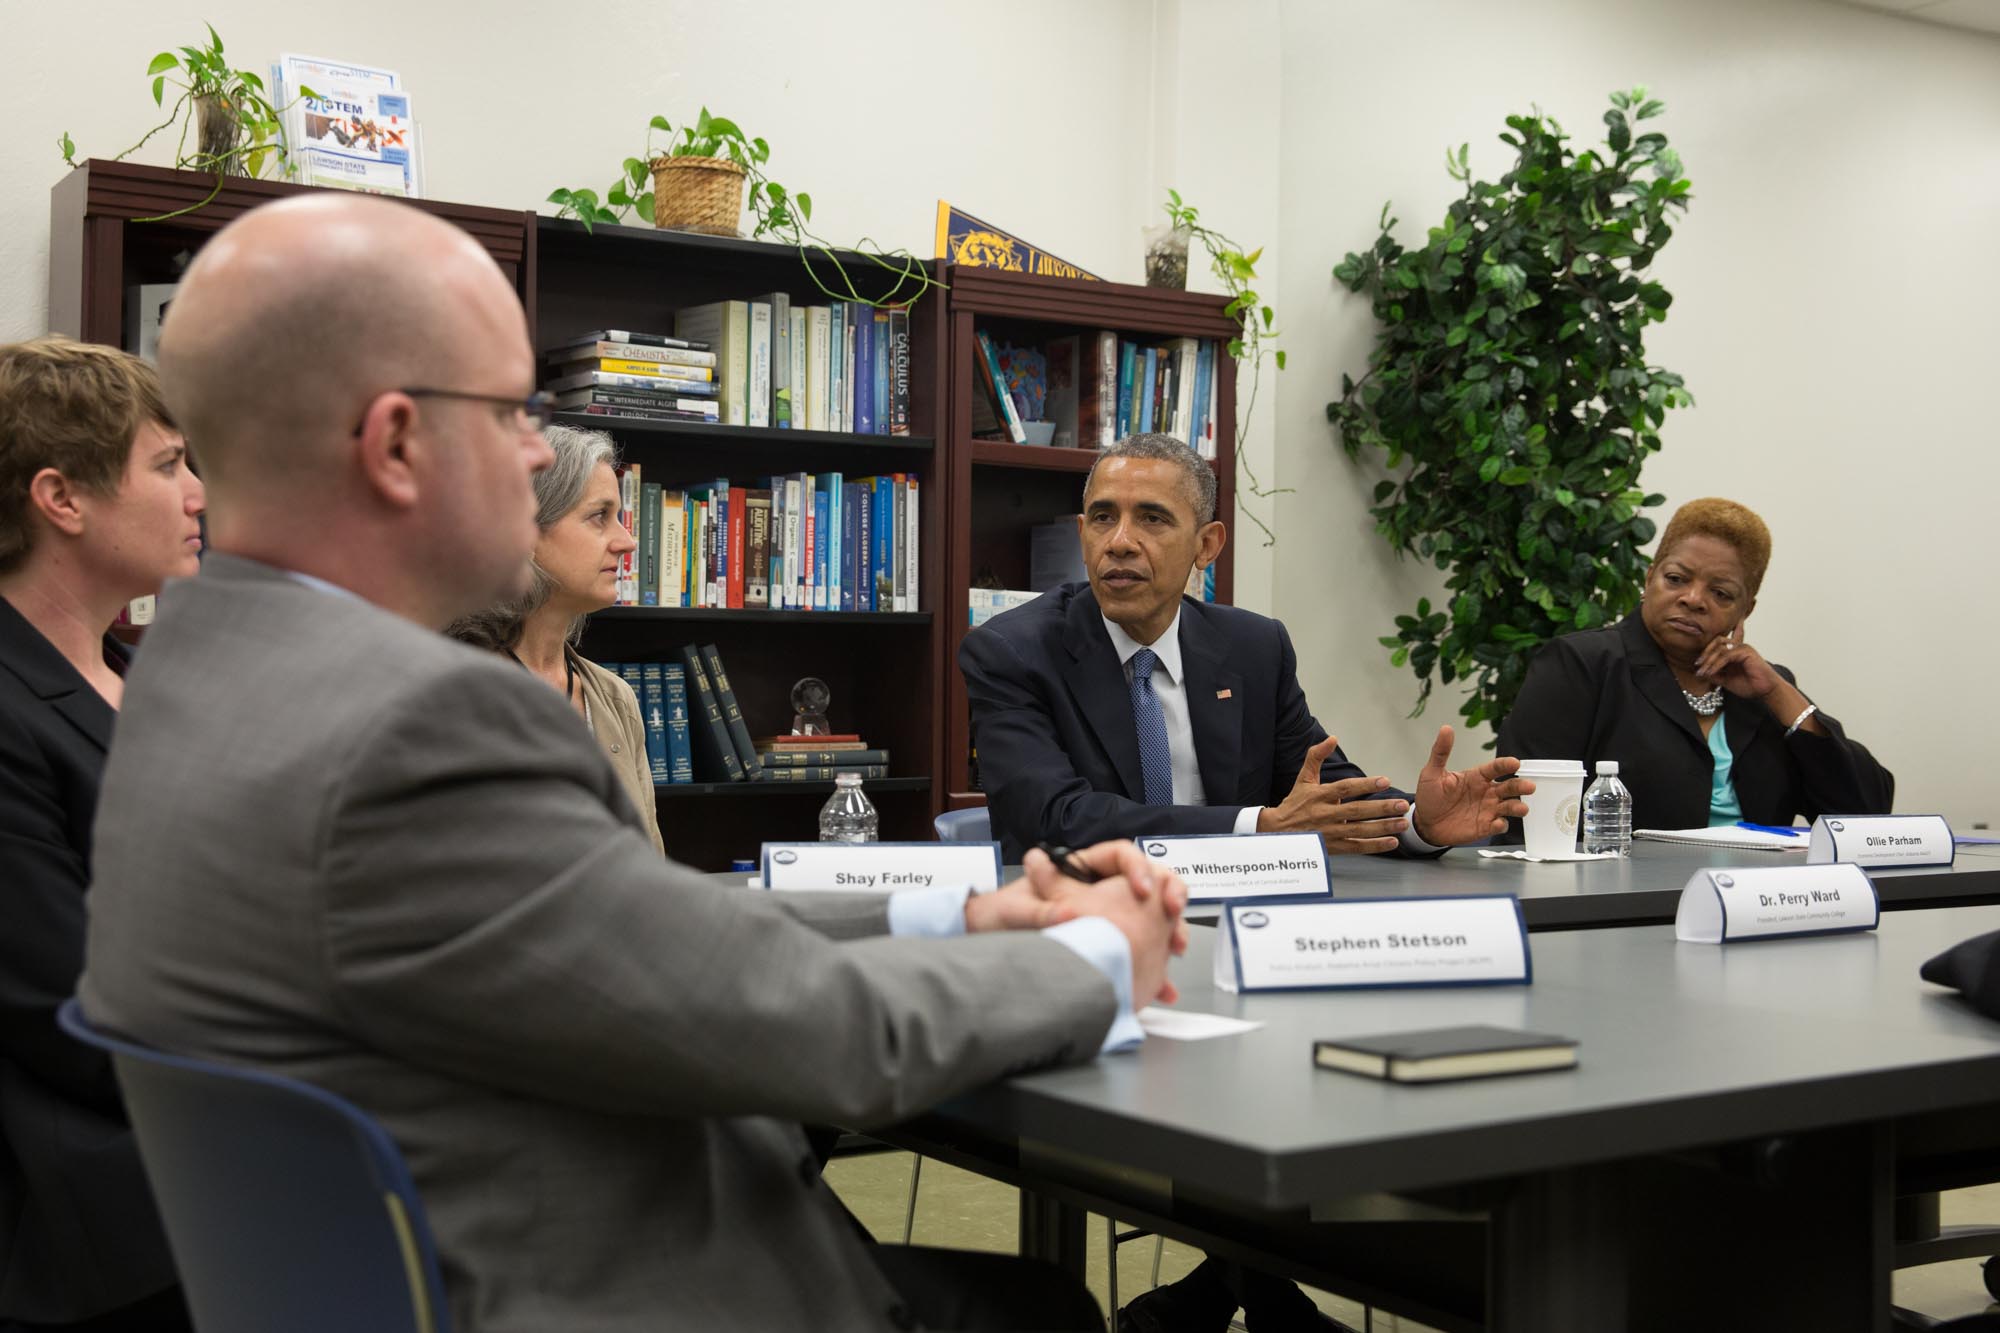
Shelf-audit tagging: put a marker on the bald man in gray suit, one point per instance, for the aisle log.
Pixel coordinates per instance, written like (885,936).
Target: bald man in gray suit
(338,846)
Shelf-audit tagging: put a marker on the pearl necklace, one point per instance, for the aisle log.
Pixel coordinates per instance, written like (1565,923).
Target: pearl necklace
(1708,705)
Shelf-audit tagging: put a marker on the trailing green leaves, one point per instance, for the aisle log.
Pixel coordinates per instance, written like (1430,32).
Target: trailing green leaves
(1510,391)
(775,211)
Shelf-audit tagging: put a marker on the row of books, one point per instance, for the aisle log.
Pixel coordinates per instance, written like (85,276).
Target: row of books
(641,376)
(1096,389)
(695,730)
(794,542)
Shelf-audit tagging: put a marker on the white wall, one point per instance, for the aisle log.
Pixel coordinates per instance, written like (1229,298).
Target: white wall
(877,109)
(1834,317)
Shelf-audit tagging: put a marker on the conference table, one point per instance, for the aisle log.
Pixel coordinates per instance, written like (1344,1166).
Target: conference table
(1727,1154)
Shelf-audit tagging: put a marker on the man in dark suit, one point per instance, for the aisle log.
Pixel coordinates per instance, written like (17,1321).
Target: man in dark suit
(1062,710)
(1122,708)
(336,844)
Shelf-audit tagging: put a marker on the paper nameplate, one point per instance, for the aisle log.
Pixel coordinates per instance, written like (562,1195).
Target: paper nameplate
(1318,944)
(881,867)
(1720,905)
(1881,840)
(1221,866)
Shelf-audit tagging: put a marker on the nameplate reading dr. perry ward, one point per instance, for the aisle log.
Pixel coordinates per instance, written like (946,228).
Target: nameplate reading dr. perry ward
(881,867)
(1219,866)
(1881,840)
(1303,944)
(1720,905)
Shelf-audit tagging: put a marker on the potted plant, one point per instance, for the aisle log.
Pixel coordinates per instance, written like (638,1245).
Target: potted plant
(1509,386)
(237,132)
(1167,266)
(697,184)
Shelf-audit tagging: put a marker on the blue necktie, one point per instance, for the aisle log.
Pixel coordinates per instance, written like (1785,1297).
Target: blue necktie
(1156,761)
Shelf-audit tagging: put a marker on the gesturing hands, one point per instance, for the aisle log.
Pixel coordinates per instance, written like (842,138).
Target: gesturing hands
(1344,824)
(1462,807)
(1138,895)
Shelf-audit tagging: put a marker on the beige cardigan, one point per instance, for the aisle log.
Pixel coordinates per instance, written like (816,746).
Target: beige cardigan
(621,730)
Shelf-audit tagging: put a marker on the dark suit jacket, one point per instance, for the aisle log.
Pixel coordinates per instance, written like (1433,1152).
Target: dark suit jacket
(1609,694)
(1058,750)
(78,1234)
(341,847)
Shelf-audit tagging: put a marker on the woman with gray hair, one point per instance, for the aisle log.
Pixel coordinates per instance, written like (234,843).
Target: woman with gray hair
(575,566)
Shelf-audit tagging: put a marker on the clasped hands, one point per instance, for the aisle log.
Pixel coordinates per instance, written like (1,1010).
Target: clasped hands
(1142,898)
(1452,808)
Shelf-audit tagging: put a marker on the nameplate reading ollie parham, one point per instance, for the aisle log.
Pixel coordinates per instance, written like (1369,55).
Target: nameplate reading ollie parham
(1882,840)
(1219,866)
(1722,905)
(1317,944)
(881,867)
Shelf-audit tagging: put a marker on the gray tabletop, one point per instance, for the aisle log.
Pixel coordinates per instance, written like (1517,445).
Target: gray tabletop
(1641,889)
(1681,1045)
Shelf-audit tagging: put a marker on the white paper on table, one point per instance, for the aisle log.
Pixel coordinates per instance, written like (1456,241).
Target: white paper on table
(1559,856)
(1183,1025)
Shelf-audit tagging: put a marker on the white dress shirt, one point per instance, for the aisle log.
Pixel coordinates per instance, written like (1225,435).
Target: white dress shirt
(1169,689)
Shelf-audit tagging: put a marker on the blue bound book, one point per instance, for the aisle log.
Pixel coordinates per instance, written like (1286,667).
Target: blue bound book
(822,556)
(830,530)
(864,371)
(864,544)
(680,758)
(850,542)
(1142,388)
(1127,354)
(653,708)
(885,544)
(882,373)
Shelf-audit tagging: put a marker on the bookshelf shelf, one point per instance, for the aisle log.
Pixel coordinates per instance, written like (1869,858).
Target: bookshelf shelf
(993,453)
(768,437)
(710,615)
(872,786)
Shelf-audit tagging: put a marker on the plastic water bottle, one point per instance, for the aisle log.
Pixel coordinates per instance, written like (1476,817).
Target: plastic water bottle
(1607,812)
(847,815)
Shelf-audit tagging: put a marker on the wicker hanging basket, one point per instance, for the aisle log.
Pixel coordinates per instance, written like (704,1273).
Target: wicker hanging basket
(702,194)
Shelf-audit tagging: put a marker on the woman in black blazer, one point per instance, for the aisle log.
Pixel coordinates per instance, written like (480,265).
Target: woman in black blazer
(1704,730)
(97,506)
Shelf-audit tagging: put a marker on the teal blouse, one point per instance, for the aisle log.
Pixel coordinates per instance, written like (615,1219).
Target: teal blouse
(1723,807)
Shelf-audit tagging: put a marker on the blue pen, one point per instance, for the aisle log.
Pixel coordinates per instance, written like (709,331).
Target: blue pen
(1769,828)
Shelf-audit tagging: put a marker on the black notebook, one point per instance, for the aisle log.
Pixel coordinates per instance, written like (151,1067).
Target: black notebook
(1437,1054)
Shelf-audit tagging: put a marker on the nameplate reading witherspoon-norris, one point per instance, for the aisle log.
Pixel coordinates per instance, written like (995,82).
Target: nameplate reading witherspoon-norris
(1721,905)
(881,867)
(1220,866)
(1302,944)
(1881,840)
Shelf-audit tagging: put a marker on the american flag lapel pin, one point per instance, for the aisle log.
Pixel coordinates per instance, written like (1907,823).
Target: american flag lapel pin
(1222,694)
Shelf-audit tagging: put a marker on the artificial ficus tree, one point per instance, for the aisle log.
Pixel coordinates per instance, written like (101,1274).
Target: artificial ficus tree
(1510,395)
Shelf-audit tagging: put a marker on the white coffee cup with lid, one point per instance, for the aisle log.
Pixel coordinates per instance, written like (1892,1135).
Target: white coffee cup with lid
(1555,809)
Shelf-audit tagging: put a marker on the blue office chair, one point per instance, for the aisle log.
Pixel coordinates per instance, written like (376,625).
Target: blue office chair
(969,825)
(285,1206)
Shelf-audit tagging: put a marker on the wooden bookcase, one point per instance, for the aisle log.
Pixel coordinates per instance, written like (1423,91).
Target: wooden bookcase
(996,492)
(894,677)
(882,667)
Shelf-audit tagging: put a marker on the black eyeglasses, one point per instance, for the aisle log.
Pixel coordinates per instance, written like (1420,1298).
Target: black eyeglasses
(535,411)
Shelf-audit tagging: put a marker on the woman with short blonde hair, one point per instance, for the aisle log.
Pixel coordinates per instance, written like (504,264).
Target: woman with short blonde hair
(1704,729)
(97,507)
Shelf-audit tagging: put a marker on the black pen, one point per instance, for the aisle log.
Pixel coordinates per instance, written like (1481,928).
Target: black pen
(1066,863)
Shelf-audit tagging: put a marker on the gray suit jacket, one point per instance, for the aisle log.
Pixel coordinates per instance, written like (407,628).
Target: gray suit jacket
(338,846)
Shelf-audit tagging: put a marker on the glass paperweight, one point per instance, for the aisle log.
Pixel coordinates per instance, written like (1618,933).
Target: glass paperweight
(809,699)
